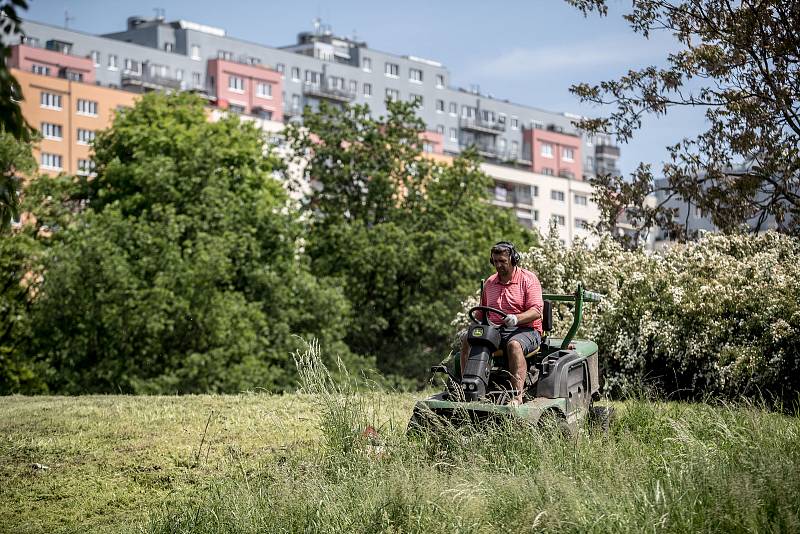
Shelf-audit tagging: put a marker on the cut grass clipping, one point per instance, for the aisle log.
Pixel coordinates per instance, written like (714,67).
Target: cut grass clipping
(335,458)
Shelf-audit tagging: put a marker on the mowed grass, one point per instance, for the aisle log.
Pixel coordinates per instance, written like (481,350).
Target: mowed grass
(301,463)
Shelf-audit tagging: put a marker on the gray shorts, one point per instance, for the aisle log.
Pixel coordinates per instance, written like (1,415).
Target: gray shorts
(524,335)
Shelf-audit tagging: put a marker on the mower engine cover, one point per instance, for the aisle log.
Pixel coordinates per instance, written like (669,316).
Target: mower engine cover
(483,341)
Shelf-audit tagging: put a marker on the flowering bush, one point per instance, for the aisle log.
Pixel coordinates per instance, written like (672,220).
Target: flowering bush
(720,316)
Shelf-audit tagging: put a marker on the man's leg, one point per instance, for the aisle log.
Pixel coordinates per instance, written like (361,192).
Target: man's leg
(516,364)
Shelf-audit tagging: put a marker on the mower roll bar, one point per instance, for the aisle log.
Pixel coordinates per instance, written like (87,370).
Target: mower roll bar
(579,297)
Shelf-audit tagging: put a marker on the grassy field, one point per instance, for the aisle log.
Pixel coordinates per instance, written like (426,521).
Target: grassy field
(299,463)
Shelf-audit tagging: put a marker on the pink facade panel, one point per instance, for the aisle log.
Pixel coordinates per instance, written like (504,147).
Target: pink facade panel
(251,89)
(433,140)
(52,63)
(554,153)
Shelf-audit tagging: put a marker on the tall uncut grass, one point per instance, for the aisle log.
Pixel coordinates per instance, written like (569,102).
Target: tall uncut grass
(663,467)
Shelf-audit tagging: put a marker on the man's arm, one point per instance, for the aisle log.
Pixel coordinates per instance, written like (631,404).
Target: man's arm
(529,315)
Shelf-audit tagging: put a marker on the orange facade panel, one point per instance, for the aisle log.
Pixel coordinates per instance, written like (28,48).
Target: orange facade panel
(68,114)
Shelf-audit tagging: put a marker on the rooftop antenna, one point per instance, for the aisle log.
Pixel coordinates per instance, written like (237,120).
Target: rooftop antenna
(317,22)
(161,13)
(67,19)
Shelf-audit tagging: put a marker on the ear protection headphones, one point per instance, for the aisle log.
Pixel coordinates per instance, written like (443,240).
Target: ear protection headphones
(512,252)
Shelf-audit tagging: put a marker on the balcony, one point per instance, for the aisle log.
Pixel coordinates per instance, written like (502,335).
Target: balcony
(481,126)
(606,151)
(328,93)
(143,83)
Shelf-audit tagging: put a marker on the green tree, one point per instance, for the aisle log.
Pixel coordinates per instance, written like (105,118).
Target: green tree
(739,63)
(182,272)
(19,277)
(11,120)
(408,237)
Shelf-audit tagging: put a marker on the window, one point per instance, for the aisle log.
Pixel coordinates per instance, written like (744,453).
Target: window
(30,41)
(535,190)
(547,150)
(195,52)
(313,77)
(52,131)
(353,86)
(581,200)
(557,195)
(335,82)
(567,154)
(159,70)
(453,108)
(132,66)
(514,149)
(547,171)
(366,64)
(295,102)
(51,101)
(427,147)
(85,167)
(51,161)
(264,90)
(560,220)
(392,94)
(500,193)
(179,74)
(581,224)
(224,54)
(40,69)
(169,47)
(415,75)
(197,79)
(235,108)
(453,134)
(440,129)
(392,69)
(280,67)
(501,145)
(514,123)
(367,89)
(87,107)
(564,173)
(439,81)
(417,99)
(440,106)
(112,62)
(265,114)
(236,84)
(95,55)
(85,136)
(536,215)
(296,74)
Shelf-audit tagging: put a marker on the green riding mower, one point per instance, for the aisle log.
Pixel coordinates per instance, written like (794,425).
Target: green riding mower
(561,385)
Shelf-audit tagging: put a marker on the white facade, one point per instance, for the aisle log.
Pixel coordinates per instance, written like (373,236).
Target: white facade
(537,199)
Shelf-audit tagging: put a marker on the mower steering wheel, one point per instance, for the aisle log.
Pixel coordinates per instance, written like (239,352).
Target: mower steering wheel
(486,310)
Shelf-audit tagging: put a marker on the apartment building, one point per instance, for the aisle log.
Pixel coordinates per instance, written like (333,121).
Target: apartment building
(68,114)
(277,83)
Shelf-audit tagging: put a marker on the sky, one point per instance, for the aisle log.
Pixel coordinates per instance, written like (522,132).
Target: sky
(526,51)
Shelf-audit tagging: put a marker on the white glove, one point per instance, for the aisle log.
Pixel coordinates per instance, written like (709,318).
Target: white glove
(510,320)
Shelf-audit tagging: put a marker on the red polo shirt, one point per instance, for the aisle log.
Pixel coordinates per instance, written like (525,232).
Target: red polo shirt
(520,294)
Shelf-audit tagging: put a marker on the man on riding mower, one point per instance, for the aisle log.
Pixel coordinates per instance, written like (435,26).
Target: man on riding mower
(517,292)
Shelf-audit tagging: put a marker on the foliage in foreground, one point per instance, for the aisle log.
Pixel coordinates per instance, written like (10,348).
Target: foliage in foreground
(720,316)
(737,62)
(664,467)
